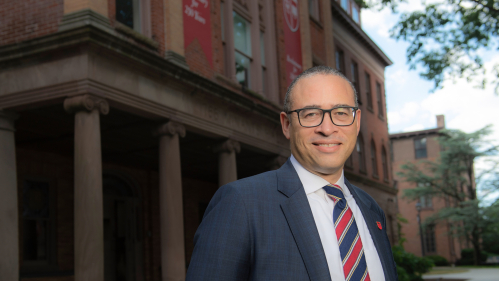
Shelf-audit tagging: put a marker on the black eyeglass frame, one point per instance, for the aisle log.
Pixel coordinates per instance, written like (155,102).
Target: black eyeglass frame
(354,111)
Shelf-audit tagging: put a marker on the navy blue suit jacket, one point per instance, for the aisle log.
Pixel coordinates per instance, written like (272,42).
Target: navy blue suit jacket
(262,228)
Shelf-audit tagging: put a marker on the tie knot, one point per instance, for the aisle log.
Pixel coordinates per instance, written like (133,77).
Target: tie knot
(336,194)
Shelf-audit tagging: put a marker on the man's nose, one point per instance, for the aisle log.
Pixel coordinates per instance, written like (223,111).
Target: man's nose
(327,126)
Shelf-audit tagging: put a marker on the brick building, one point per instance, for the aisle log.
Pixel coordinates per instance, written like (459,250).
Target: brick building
(415,147)
(120,119)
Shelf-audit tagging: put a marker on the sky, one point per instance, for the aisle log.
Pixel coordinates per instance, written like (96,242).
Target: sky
(410,104)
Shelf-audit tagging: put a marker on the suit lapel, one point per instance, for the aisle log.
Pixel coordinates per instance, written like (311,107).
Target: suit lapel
(382,245)
(301,222)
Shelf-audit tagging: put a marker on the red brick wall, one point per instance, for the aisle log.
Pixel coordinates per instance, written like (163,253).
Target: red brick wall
(216,35)
(197,61)
(26,19)
(403,151)
(281,49)
(372,127)
(318,41)
(158,24)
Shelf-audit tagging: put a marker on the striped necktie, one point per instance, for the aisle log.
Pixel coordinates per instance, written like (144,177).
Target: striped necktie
(351,250)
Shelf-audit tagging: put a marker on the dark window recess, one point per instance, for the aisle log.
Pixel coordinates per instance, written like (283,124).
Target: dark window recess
(124,12)
(369,92)
(380,101)
(349,162)
(340,61)
(36,221)
(429,239)
(361,152)
(355,79)
(385,163)
(420,148)
(374,160)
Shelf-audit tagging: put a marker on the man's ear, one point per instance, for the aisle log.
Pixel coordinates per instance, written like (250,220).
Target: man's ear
(285,123)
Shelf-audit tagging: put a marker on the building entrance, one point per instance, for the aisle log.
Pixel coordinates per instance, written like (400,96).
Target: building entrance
(120,230)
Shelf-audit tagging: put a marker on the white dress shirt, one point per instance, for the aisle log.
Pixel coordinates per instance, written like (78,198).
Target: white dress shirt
(322,209)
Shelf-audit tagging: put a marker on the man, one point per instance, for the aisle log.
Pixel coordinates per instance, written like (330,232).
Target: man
(304,221)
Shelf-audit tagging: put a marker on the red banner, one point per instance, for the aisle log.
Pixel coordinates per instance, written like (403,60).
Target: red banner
(197,25)
(292,40)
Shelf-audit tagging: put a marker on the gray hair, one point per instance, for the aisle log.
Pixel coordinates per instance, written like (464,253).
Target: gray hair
(321,69)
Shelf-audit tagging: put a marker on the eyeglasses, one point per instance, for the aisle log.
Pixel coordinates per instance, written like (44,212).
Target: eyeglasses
(313,117)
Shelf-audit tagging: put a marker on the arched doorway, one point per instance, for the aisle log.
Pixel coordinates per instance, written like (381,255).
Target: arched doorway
(121,238)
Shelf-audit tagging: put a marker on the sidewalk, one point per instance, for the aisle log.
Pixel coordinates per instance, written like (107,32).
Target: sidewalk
(473,274)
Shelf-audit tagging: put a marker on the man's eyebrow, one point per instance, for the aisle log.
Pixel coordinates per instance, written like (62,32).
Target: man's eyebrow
(318,106)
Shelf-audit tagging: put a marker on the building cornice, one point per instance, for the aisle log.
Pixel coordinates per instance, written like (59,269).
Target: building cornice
(14,55)
(342,16)
(413,134)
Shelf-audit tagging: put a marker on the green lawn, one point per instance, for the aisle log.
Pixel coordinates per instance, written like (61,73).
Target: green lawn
(446,270)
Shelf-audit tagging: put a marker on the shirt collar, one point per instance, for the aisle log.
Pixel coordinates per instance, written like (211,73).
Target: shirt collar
(311,182)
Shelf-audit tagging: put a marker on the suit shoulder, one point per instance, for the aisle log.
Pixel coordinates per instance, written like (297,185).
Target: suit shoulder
(262,180)
(367,198)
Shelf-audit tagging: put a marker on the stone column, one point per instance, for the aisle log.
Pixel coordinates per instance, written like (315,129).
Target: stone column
(227,166)
(9,235)
(170,198)
(89,224)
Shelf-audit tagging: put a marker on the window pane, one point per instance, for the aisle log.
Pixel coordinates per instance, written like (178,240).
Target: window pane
(344,5)
(242,69)
(355,14)
(242,41)
(124,12)
(420,148)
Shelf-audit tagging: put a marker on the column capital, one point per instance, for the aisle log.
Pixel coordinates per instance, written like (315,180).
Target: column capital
(227,146)
(7,120)
(86,102)
(170,128)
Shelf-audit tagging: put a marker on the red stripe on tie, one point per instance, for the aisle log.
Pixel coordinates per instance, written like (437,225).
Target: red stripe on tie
(367,277)
(347,267)
(343,223)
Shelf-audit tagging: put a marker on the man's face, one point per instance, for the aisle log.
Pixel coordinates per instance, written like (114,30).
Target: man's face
(324,149)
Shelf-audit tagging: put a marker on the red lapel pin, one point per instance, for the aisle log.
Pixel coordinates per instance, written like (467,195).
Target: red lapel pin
(379,225)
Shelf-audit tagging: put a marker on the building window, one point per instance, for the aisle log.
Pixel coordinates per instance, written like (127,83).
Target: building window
(344,5)
(380,101)
(262,56)
(429,239)
(355,14)
(426,201)
(349,162)
(360,151)
(313,9)
(242,45)
(355,79)
(368,91)
(128,13)
(374,162)
(420,148)
(340,60)
(37,226)
(384,161)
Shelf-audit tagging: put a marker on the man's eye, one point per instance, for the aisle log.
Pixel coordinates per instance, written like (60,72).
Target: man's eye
(311,114)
